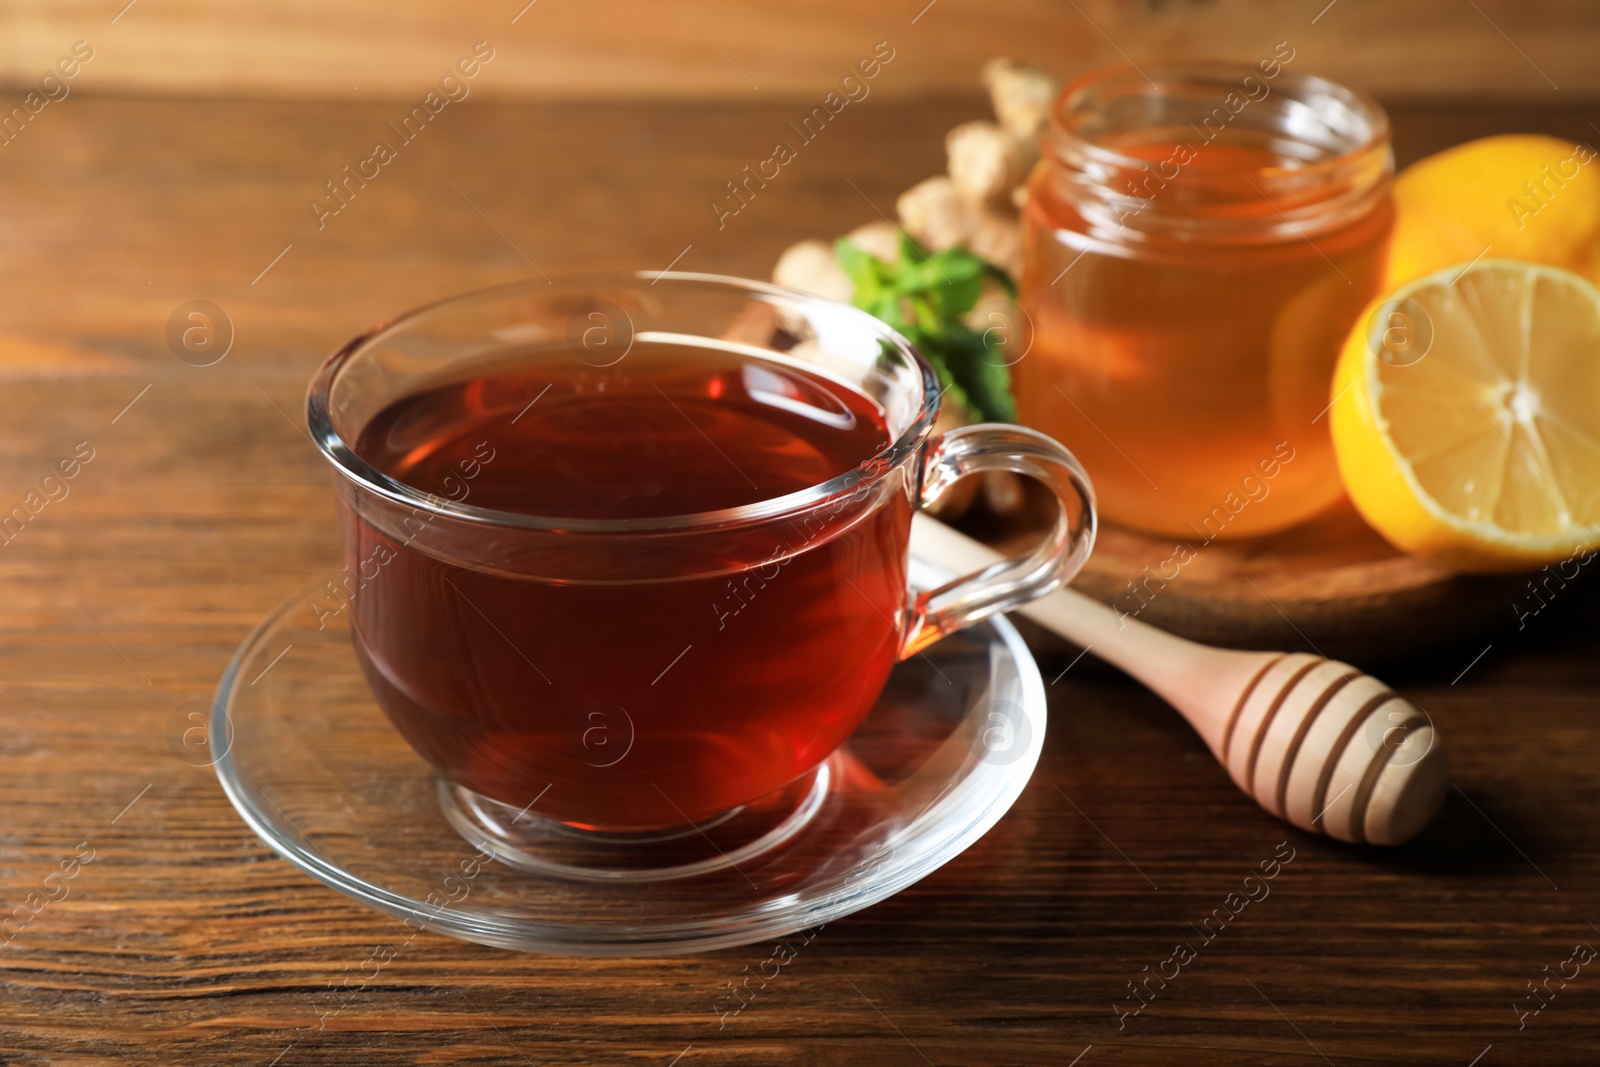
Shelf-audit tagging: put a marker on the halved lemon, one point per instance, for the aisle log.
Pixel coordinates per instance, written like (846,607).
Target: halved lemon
(1466,416)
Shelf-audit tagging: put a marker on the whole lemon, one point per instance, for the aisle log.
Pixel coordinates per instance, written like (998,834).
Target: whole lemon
(1516,196)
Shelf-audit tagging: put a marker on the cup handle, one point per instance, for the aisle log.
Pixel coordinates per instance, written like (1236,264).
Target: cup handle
(1013,582)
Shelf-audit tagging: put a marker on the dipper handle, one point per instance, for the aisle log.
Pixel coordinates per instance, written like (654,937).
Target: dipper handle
(1315,741)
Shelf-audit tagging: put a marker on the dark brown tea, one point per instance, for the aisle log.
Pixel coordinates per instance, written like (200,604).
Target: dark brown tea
(648,702)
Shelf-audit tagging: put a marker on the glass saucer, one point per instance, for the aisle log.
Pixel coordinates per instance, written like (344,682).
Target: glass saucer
(311,763)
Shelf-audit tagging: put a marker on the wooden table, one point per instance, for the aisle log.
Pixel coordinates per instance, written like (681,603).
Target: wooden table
(186,940)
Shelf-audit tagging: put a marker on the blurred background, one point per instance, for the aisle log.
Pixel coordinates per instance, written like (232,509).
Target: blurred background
(184,156)
(669,49)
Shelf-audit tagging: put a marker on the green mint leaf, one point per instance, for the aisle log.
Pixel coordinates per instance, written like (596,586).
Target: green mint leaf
(957,264)
(924,297)
(910,251)
(956,297)
(978,369)
(862,267)
(887,307)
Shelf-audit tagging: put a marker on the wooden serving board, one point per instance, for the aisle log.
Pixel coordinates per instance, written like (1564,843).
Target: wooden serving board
(1330,585)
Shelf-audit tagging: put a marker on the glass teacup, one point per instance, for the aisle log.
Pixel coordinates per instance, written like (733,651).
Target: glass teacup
(626,555)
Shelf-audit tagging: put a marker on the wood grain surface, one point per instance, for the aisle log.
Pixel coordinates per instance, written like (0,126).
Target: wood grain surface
(732,49)
(185,940)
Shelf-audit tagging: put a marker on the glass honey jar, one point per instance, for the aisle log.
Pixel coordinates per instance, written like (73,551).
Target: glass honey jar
(1198,240)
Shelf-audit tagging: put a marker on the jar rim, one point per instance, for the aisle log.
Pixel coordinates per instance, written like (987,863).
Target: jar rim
(1345,170)
(1160,75)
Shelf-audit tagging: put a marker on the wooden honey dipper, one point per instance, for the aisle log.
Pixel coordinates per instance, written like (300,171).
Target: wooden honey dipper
(1314,741)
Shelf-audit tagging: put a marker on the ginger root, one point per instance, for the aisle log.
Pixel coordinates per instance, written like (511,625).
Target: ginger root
(937,215)
(1021,95)
(997,237)
(811,267)
(934,213)
(879,239)
(986,162)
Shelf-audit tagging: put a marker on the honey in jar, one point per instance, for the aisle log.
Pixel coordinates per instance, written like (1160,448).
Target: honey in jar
(1198,241)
